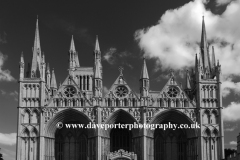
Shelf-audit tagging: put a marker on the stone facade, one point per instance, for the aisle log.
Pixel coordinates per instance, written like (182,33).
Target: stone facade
(79,100)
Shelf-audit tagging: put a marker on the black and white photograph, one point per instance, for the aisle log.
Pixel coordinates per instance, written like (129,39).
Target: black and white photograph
(120,80)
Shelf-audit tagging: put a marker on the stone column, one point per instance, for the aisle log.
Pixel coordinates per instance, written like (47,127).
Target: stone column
(98,133)
(41,137)
(144,133)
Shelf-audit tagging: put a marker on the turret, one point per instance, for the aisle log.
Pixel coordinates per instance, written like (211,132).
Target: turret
(188,86)
(218,72)
(48,75)
(97,80)
(73,58)
(43,67)
(53,86)
(144,80)
(97,54)
(21,67)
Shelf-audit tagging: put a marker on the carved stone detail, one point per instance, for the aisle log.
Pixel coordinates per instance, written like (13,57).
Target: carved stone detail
(122,154)
(106,112)
(136,113)
(49,113)
(91,113)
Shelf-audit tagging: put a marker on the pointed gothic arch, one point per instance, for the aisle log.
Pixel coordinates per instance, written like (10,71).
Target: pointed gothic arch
(119,115)
(169,143)
(26,116)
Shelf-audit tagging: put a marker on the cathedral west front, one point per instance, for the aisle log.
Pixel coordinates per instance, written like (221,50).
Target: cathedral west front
(80,100)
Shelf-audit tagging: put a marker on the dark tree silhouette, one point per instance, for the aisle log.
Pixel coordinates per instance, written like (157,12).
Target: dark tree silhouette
(228,152)
(1,157)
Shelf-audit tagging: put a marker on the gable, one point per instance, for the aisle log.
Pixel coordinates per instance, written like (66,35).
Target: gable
(69,94)
(173,95)
(120,89)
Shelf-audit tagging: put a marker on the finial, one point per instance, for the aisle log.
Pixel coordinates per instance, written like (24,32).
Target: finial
(97,47)
(120,68)
(171,73)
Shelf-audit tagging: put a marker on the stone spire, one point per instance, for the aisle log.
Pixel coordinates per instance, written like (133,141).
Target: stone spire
(144,72)
(144,81)
(204,47)
(97,47)
(21,66)
(200,62)
(73,56)
(213,57)
(196,63)
(97,71)
(97,80)
(72,46)
(53,81)
(22,58)
(48,75)
(188,81)
(36,60)
(97,54)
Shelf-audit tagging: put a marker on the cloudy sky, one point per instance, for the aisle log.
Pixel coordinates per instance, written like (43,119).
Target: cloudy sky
(166,33)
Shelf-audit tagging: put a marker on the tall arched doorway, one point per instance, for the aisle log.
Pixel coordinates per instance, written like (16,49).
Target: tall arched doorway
(173,143)
(120,138)
(170,144)
(70,144)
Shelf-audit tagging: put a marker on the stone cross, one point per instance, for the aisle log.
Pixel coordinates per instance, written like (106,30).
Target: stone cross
(120,70)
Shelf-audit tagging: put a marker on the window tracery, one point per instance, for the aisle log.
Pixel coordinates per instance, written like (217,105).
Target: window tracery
(69,91)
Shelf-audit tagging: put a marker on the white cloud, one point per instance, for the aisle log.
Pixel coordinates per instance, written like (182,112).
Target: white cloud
(230,129)
(5,75)
(231,112)
(228,86)
(113,56)
(109,55)
(8,139)
(105,90)
(223,2)
(174,40)
(3,92)
(233,143)
(14,94)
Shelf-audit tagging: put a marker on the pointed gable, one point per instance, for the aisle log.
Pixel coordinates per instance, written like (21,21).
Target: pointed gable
(172,95)
(70,94)
(120,89)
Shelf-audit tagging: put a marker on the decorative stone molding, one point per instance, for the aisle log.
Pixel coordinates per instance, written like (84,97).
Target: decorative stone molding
(90,112)
(122,154)
(106,112)
(136,113)
(49,113)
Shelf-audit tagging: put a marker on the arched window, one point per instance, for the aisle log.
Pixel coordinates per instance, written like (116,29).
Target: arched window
(205,118)
(214,117)
(35,117)
(26,117)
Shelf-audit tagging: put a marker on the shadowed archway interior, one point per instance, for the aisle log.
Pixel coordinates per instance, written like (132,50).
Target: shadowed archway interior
(71,144)
(174,144)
